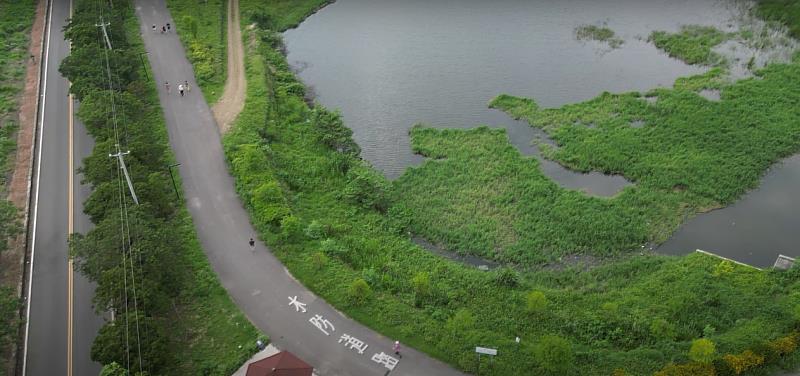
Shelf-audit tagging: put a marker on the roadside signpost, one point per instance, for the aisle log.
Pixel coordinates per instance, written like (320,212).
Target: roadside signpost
(485,351)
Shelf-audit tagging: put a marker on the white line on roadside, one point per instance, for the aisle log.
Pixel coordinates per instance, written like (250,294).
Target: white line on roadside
(38,175)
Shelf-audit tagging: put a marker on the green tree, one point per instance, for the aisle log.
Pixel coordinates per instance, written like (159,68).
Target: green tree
(332,131)
(554,354)
(702,350)
(113,369)
(662,329)
(359,292)
(366,187)
(536,302)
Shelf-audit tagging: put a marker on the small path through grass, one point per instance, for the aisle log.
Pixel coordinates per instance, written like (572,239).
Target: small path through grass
(232,100)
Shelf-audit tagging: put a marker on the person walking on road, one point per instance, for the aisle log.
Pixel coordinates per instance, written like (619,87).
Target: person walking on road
(166,85)
(169,28)
(154,28)
(252,244)
(163,29)
(180,89)
(186,86)
(396,348)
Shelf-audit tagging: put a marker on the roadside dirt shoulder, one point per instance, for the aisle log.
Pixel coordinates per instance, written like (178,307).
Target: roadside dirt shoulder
(12,261)
(232,101)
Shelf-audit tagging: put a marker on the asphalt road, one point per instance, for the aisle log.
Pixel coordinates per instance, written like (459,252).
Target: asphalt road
(46,351)
(257,281)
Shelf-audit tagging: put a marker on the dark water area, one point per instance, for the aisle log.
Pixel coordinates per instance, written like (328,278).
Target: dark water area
(389,64)
(754,230)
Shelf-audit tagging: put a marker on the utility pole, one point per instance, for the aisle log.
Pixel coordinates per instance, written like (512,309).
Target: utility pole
(173,179)
(119,156)
(105,33)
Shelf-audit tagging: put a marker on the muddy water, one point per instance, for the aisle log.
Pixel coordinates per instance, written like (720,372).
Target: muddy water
(389,64)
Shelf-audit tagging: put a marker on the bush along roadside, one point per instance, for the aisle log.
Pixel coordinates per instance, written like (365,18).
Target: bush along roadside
(15,26)
(171,314)
(202,28)
(332,221)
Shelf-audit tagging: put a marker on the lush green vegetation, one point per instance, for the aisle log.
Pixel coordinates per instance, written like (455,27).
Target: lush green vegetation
(342,230)
(16,18)
(600,34)
(692,44)
(691,155)
(187,323)
(784,11)
(202,26)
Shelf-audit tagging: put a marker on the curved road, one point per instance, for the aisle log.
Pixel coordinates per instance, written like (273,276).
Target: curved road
(257,281)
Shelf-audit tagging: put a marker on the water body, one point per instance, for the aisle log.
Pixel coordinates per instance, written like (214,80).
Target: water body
(389,64)
(763,224)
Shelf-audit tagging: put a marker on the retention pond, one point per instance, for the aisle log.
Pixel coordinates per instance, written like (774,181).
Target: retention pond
(388,65)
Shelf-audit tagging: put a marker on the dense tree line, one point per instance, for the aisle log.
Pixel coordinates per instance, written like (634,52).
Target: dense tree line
(134,254)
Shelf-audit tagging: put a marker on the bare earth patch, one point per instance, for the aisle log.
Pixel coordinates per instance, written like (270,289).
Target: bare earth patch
(232,100)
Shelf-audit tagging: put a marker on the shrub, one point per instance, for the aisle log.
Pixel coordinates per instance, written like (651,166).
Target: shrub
(702,350)
(744,361)
(421,283)
(290,227)
(315,230)
(536,302)
(662,329)
(460,322)
(506,277)
(554,354)
(366,187)
(319,260)
(359,292)
(689,369)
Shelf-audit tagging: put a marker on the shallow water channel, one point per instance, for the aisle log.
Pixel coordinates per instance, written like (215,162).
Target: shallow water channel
(388,65)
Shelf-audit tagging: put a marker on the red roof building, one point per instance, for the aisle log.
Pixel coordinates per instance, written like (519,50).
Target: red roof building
(283,363)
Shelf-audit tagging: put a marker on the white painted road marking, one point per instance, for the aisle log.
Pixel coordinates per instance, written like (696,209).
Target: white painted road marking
(322,324)
(298,306)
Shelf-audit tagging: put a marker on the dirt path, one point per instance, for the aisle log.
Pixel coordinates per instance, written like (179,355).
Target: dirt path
(232,100)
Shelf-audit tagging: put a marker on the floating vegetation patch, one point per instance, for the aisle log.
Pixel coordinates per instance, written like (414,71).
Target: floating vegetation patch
(693,44)
(598,34)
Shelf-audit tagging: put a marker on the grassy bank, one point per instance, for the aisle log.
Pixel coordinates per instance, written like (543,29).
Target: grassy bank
(786,12)
(16,19)
(202,27)
(333,221)
(187,323)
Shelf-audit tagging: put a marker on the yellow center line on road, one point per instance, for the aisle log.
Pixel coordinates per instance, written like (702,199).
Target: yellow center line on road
(70,172)
(69,232)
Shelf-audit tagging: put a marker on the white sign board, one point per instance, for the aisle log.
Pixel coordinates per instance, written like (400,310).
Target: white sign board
(483,350)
